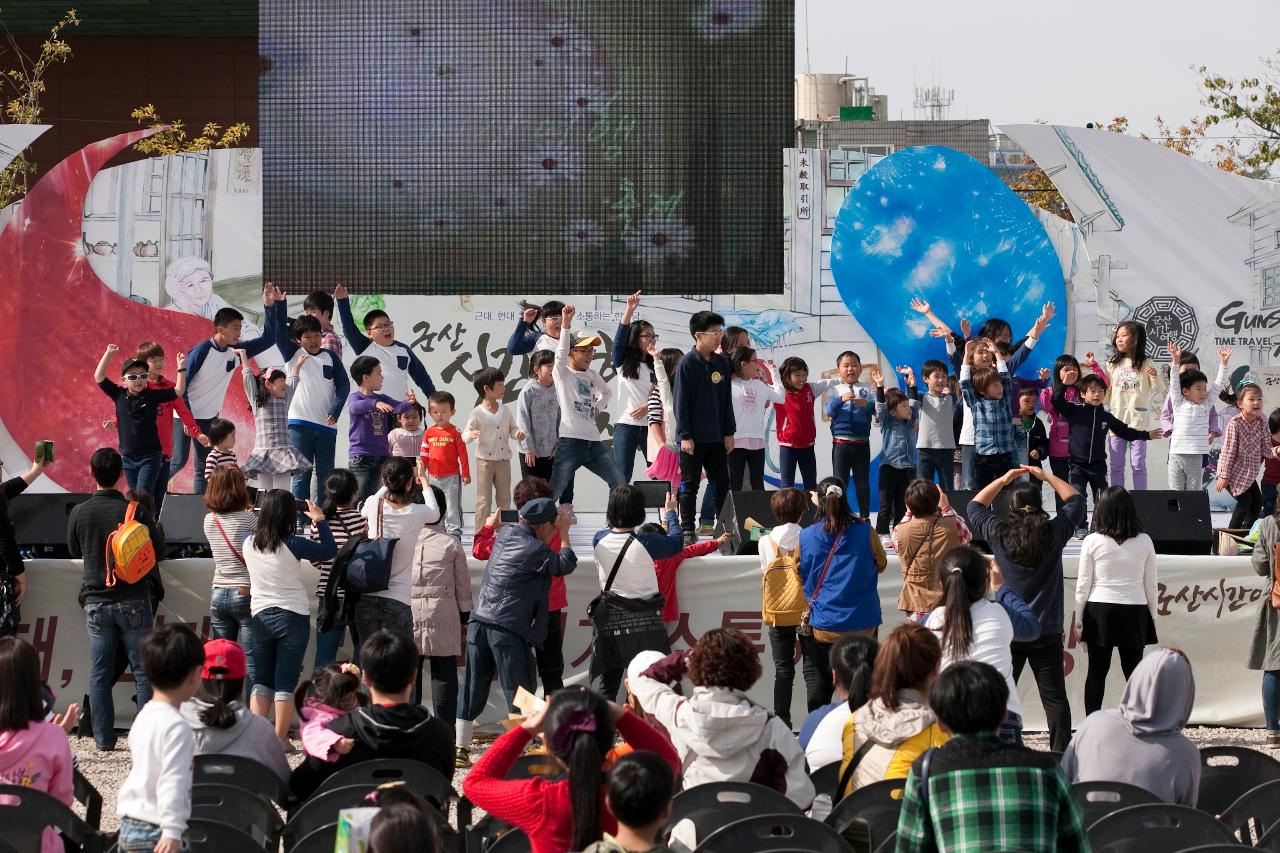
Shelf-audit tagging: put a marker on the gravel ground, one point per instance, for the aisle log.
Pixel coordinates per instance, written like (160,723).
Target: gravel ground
(107,770)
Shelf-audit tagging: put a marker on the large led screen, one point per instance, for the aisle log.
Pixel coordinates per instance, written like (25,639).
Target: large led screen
(525,146)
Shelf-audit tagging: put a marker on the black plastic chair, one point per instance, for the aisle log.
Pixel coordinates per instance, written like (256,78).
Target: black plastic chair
(869,814)
(1270,839)
(25,812)
(215,836)
(774,832)
(889,844)
(88,796)
(1216,848)
(1099,799)
(1256,811)
(1242,770)
(711,806)
(420,778)
(241,808)
(513,841)
(535,766)
(825,779)
(241,772)
(319,840)
(321,809)
(1162,828)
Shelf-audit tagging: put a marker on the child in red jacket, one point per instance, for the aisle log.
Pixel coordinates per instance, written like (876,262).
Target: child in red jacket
(551,656)
(797,430)
(666,569)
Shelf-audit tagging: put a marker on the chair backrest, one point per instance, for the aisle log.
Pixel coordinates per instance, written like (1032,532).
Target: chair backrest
(1270,839)
(88,796)
(1255,812)
(773,832)
(1162,828)
(513,841)
(420,778)
(243,809)
(321,809)
(869,814)
(25,812)
(535,766)
(889,843)
(1099,799)
(1227,772)
(216,836)
(715,804)
(319,840)
(826,778)
(1217,848)
(242,772)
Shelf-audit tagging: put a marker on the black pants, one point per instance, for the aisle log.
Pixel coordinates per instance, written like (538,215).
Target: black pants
(1248,506)
(711,457)
(937,466)
(818,683)
(782,644)
(541,467)
(989,468)
(551,656)
(1090,474)
(1095,682)
(1045,657)
(851,462)
(1061,468)
(893,496)
(444,686)
(743,463)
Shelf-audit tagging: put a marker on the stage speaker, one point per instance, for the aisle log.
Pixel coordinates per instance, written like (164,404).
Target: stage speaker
(960,503)
(182,518)
(40,519)
(1177,522)
(745,510)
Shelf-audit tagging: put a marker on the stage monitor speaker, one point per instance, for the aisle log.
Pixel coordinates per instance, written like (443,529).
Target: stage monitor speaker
(182,518)
(960,503)
(742,507)
(40,519)
(1177,522)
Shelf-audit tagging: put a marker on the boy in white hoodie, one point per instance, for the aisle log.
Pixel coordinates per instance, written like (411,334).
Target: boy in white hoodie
(789,507)
(720,734)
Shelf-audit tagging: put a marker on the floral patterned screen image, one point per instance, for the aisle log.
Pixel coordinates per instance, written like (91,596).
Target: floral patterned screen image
(525,146)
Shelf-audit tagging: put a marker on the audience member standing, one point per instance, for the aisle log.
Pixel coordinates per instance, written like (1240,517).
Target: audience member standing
(13,578)
(229,521)
(1264,650)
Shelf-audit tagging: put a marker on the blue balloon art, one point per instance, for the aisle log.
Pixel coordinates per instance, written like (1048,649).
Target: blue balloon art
(935,223)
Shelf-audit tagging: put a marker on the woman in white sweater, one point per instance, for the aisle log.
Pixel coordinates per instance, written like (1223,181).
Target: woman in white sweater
(1116,591)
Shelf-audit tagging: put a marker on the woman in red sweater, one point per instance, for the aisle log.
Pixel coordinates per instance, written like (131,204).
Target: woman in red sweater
(578,727)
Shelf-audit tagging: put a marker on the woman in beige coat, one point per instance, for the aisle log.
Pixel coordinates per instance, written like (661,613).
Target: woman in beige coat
(441,606)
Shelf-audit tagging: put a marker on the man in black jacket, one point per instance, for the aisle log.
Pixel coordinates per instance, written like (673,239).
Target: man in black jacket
(12,571)
(120,613)
(391,727)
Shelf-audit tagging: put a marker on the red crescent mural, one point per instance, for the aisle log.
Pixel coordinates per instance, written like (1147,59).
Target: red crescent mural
(56,317)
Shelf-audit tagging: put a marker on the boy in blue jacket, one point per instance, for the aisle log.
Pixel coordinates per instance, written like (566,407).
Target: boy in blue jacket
(850,407)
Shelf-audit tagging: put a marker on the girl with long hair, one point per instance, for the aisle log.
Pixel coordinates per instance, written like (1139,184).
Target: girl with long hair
(1028,549)
(664,456)
(634,382)
(578,728)
(274,461)
(1065,375)
(1135,383)
(852,661)
(841,558)
(1115,592)
(333,617)
(980,615)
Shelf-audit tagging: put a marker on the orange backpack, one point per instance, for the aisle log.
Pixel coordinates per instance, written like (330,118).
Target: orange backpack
(130,552)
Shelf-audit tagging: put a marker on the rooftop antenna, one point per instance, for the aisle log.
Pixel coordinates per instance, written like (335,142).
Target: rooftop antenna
(808,37)
(934,102)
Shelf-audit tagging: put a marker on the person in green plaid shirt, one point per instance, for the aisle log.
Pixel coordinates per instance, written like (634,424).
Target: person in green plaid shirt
(980,794)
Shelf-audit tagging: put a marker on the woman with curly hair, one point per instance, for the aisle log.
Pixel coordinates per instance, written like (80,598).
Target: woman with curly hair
(720,734)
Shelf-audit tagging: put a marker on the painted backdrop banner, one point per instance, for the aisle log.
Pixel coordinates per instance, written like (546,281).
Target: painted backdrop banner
(1206,607)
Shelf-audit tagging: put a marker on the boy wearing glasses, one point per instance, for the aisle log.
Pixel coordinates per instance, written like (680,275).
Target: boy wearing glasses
(399,364)
(136,409)
(704,418)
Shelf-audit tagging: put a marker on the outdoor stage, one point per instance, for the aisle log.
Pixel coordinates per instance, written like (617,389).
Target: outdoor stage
(1208,606)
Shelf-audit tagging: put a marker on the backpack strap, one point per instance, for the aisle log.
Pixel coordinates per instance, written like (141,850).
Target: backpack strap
(613,573)
(130,512)
(926,763)
(847,776)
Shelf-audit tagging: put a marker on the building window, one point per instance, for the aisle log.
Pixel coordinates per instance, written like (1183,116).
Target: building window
(188,186)
(1278,238)
(1271,286)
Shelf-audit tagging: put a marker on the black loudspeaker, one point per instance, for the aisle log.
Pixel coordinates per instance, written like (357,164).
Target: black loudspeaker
(1177,522)
(40,520)
(742,505)
(960,503)
(182,518)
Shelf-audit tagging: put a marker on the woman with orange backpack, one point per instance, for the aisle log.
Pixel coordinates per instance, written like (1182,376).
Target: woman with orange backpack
(782,592)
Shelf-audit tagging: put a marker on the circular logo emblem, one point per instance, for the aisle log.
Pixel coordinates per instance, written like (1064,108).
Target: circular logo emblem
(716,377)
(1167,318)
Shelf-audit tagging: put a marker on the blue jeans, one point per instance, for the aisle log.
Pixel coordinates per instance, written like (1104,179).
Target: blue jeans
(229,619)
(318,445)
(328,642)
(492,649)
(707,512)
(936,465)
(1268,499)
(368,471)
(1010,731)
(182,444)
(968,473)
(575,453)
(1271,700)
(142,470)
(627,439)
(138,836)
(110,623)
(279,644)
